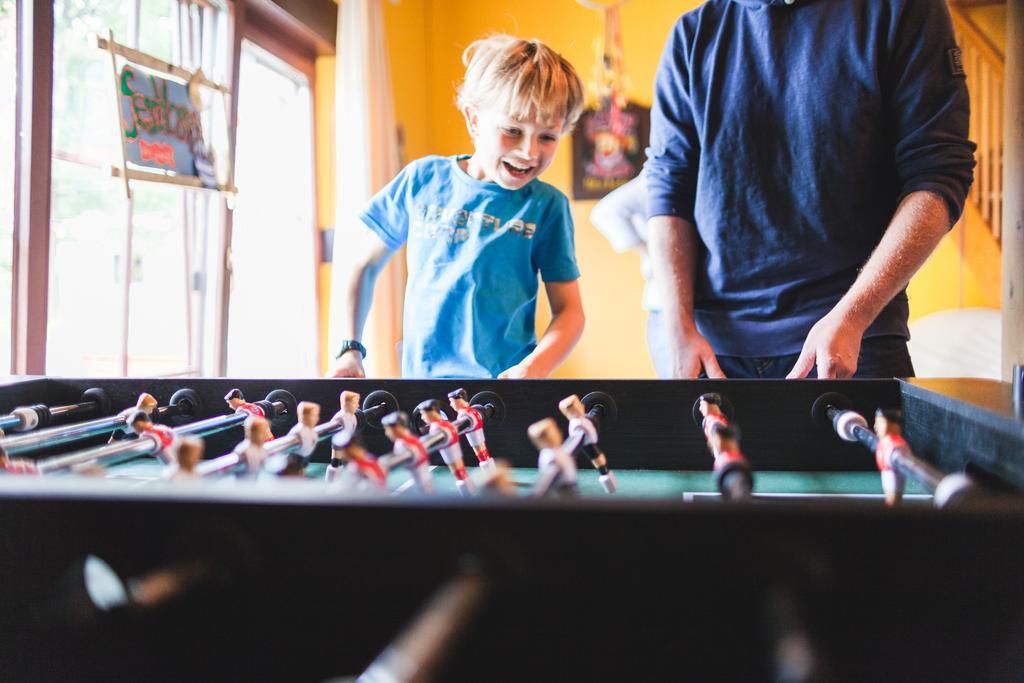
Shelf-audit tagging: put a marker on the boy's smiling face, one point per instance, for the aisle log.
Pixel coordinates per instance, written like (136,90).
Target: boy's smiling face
(508,151)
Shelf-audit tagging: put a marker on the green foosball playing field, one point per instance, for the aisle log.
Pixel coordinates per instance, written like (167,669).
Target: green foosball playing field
(647,484)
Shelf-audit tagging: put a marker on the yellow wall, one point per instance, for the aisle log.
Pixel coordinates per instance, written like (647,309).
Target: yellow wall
(326,195)
(964,271)
(991,19)
(426,39)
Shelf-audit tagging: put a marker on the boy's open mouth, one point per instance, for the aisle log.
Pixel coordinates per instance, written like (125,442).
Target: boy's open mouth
(517,171)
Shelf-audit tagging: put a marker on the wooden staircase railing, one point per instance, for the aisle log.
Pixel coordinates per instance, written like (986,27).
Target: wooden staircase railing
(984,64)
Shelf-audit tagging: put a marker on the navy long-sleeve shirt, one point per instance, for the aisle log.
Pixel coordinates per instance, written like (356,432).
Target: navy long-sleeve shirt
(788,134)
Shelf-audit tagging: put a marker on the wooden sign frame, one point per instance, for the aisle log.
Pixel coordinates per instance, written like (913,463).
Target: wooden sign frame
(160,67)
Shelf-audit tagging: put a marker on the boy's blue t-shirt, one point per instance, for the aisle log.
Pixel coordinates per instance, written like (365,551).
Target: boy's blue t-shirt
(474,252)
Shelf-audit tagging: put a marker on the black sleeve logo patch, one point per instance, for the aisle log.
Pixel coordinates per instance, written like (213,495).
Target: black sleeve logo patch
(956,61)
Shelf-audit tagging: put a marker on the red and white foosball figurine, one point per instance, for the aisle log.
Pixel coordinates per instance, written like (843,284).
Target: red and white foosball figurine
(10,465)
(711,409)
(557,468)
(237,403)
(251,452)
(451,452)
(889,429)
(407,450)
(146,403)
(190,452)
(580,424)
(164,438)
(351,464)
(733,475)
(348,415)
(475,434)
(305,428)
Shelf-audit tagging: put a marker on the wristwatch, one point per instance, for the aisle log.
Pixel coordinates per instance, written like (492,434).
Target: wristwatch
(349,344)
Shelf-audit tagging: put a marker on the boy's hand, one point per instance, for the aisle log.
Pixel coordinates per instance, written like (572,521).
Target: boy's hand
(349,365)
(523,370)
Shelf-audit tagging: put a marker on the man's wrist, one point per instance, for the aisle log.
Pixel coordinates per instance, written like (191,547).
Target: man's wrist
(857,316)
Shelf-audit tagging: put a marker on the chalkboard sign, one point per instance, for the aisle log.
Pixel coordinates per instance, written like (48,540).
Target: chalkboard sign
(162,127)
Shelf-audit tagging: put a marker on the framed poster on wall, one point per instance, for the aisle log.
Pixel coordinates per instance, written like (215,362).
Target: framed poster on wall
(608,148)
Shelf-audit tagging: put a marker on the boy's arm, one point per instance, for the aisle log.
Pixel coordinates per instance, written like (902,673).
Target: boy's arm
(559,338)
(365,254)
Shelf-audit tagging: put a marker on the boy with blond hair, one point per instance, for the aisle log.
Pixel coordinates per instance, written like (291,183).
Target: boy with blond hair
(479,230)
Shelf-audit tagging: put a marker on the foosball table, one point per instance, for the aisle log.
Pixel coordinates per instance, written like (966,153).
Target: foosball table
(502,530)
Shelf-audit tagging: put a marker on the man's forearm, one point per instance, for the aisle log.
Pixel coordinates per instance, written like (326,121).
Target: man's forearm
(672,243)
(917,227)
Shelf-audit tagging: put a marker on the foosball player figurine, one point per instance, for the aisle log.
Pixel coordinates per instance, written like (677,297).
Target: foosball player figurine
(889,429)
(557,468)
(475,434)
(352,464)
(407,450)
(251,452)
(430,412)
(580,424)
(732,472)
(236,401)
(289,464)
(711,409)
(496,481)
(190,452)
(305,428)
(348,416)
(293,462)
(146,403)
(10,465)
(166,440)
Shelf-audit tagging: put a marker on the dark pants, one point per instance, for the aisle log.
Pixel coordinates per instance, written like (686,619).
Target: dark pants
(879,357)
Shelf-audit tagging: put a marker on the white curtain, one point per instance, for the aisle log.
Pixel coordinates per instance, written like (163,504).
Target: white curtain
(367,158)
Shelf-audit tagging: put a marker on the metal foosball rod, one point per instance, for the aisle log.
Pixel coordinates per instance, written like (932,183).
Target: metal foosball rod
(183,403)
(419,651)
(733,474)
(442,435)
(893,456)
(160,441)
(26,418)
(301,440)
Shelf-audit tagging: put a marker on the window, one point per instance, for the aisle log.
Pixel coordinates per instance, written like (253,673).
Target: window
(272,330)
(130,285)
(8,82)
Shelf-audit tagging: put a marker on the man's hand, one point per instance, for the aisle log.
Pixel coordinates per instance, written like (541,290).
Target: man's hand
(349,365)
(833,345)
(695,355)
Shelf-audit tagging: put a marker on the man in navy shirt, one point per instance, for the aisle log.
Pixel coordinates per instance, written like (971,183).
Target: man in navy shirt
(806,158)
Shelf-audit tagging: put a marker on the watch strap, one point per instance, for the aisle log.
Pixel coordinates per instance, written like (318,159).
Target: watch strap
(349,344)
